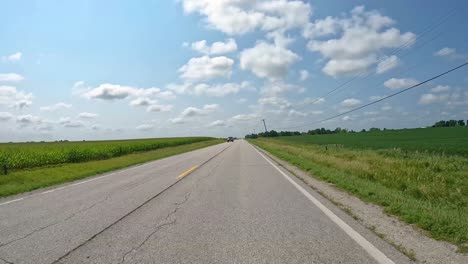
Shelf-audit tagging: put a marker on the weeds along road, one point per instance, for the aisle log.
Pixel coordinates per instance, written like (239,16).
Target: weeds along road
(222,204)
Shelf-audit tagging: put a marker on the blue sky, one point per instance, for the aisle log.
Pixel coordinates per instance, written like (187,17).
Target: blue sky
(129,69)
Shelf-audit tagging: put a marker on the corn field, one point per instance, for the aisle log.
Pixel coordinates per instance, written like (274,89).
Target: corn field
(16,156)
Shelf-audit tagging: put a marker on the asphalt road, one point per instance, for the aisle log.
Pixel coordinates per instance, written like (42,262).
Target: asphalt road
(223,204)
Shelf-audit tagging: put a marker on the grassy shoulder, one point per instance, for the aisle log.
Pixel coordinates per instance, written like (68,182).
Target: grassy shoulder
(31,179)
(428,190)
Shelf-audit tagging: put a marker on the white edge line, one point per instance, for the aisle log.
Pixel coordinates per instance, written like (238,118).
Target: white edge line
(366,245)
(12,201)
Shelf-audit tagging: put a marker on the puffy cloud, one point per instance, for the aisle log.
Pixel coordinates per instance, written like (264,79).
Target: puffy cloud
(142,102)
(244,117)
(387,64)
(339,67)
(364,34)
(241,100)
(277,102)
(55,107)
(145,127)
(268,60)
(159,108)
(350,102)
(193,111)
(440,89)
(10,77)
(86,115)
(69,123)
(28,120)
(445,52)
(395,83)
(346,118)
(217,123)
(314,101)
(213,90)
(386,107)
(375,97)
(242,16)
(177,120)
(109,91)
(433,98)
(5,116)
(216,48)
(14,57)
(321,27)
(11,97)
(295,113)
(304,75)
(206,68)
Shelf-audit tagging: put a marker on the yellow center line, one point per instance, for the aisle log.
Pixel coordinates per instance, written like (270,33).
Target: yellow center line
(187,172)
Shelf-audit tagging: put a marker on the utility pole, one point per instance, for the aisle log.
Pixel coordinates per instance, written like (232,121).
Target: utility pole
(264,124)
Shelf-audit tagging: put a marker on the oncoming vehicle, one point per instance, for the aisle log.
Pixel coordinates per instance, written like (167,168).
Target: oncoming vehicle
(230,139)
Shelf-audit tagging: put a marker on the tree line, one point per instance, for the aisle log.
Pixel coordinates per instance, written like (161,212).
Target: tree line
(323,131)
(450,123)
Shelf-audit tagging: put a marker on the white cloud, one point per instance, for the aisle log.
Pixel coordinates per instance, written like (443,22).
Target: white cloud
(217,123)
(11,97)
(69,123)
(277,102)
(177,120)
(445,52)
(10,77)
(316,112)
(86,115)
(142,102)
(28,120)
(304,75)
(244,117)
(159,108)
(268,60)
(145,127)
(314,101)
(206,68)
(55,107)
(140,96)
(321,27)
(296,113)
(364,34)
(350,102)
(339,67)
(193,111)
(213,90)
(14,57)
(440,88)
(346,118)
(387,63)
(216,48)
(5,116)
(242,16)
(433,98)
(395,83)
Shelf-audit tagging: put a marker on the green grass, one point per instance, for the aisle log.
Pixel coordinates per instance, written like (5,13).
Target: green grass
(31,155)
(30,179)
(423,186)
(448,140)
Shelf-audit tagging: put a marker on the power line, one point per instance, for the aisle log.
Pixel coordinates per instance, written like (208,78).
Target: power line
(397,52)
(382,99)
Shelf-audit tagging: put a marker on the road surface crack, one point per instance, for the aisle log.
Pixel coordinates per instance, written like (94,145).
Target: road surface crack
(6,261)
(178,206)
(55,223)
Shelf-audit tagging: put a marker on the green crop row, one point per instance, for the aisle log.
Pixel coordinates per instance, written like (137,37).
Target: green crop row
(30,155)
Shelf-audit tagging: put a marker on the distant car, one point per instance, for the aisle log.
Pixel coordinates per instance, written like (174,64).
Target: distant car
(230,139)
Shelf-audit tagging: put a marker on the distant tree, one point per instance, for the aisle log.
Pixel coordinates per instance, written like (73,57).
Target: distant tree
(374,129)
(461,122)
(452,123)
